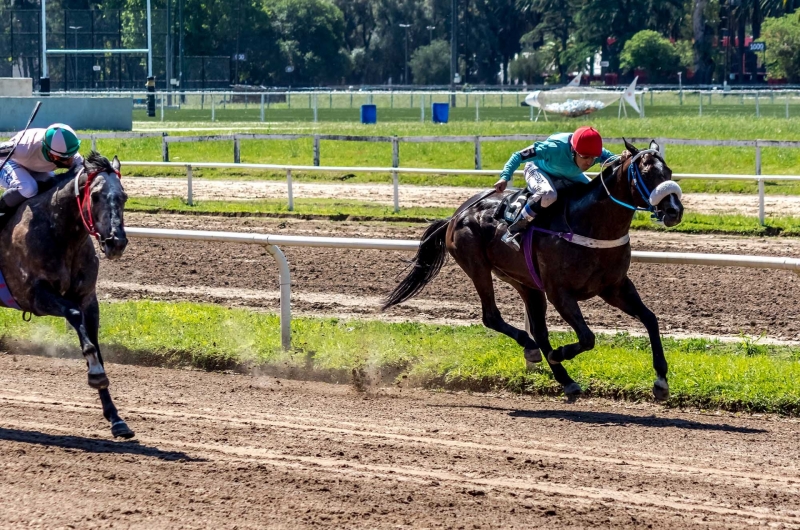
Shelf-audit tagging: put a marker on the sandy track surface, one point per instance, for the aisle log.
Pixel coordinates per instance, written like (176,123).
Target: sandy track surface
(450,197)
(688,300)
(247,451)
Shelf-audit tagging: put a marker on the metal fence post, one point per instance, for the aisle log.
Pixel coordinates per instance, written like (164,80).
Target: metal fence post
(262,108)
(395,152)
(396,185)
(189,185)
(237,155)
(316,150)
(477,110)
(758,110)
(760,186)
(285,278)
(478,161)
(162,107)
(164,148)
(94,143)
(315,107)
(701,103)
(289,186)
(213,109)
(422,108)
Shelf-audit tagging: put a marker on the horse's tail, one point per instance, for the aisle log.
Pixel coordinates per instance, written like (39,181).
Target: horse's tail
(430,258)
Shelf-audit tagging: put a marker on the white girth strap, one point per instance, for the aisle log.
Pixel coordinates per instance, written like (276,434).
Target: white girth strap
(599,243)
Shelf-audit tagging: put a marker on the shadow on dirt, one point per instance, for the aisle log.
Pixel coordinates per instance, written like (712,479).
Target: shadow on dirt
(92,445)
(617,420)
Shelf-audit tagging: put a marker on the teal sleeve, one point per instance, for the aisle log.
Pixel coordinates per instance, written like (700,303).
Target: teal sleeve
(605,155)
(511,166)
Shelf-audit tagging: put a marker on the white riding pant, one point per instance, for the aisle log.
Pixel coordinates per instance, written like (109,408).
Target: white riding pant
(15,177)
(542,190)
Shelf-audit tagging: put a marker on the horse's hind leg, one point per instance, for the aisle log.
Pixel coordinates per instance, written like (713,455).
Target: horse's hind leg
(118,425)
(625,297)
(47,302)
(481,276)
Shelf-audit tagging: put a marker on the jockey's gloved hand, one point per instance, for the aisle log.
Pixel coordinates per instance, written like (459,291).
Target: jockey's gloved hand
(501,185)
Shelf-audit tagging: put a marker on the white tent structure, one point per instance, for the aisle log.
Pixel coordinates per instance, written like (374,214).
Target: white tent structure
(574,100)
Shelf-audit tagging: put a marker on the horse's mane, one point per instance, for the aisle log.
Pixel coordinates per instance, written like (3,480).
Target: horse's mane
(97,162)
(578,191)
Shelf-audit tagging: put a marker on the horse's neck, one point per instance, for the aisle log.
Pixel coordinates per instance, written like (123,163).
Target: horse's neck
(595,215)
(64,212)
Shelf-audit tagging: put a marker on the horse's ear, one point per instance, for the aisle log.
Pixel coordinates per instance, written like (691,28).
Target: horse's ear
(654,146)
(630,147)
(115,163)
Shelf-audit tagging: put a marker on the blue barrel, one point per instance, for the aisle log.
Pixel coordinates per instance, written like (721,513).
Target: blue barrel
(369,114)
(441,112)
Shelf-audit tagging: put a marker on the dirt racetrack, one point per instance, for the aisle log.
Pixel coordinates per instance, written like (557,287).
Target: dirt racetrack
(688,300)
(218,450)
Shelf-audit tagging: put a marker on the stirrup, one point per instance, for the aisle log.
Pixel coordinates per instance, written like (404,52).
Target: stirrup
(511,240)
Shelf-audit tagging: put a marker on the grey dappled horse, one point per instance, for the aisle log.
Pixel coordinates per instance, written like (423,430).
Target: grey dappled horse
(50,263)
(583,252)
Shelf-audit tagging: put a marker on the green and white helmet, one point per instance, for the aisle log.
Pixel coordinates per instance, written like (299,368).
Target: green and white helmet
(60,141)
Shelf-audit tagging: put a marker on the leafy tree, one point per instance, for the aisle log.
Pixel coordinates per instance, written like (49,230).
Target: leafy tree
(555,28)
(528,68)
(311,39)
(782,36)
(652,53)
(430,65)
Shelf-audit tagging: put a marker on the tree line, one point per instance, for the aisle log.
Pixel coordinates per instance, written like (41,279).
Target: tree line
(370,42)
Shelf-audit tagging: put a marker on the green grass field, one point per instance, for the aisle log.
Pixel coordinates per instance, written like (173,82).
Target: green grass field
(682,159)
(744,375)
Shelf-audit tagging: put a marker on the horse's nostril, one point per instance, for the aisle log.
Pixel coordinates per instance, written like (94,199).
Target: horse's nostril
(672,212)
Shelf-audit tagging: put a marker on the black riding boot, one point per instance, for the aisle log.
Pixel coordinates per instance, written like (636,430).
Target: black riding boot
(511,237)
(9,201)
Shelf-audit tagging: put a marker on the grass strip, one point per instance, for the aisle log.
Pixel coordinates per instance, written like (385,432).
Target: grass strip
(338,209)
(704,373)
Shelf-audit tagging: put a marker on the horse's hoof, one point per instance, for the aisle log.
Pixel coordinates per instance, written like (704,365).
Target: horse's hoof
(661,390)
(98,381)
(533,355)
(572,390)
(120,429)
(552,359)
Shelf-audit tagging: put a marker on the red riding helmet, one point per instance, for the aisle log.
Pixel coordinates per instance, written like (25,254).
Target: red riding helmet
(586,141)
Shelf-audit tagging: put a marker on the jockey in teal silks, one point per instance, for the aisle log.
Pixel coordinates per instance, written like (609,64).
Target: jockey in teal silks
(562,156)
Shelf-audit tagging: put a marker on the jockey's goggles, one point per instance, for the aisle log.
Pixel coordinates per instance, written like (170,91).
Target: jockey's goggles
(58,158)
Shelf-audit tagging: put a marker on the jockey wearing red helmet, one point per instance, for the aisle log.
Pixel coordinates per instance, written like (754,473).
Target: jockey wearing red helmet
(562,156)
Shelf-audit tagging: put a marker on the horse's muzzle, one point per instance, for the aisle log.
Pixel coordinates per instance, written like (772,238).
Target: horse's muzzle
(113,247)
(670,211)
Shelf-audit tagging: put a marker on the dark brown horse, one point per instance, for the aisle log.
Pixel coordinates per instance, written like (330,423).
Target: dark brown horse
(50,263)
(594,263)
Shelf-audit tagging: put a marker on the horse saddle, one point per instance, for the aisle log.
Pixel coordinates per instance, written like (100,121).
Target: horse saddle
(510,207)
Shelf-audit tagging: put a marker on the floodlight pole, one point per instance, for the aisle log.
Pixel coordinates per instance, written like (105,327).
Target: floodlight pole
(44,81)
(453,51)
(151,81)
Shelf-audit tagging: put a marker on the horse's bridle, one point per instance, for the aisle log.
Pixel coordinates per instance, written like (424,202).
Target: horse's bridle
(651,198)
(86,203)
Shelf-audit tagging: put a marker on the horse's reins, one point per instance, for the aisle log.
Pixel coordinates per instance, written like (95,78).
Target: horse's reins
(635,178)
(86,203)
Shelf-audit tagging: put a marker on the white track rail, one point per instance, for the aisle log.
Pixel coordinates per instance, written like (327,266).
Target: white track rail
(271,242)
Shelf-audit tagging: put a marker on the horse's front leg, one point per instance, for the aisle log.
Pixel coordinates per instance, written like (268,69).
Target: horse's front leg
(48,302)
(625,297)
(568,308)
(118,425)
